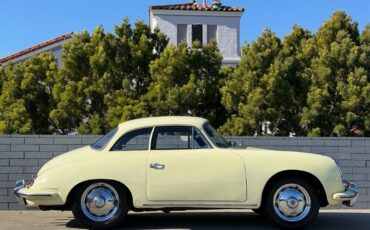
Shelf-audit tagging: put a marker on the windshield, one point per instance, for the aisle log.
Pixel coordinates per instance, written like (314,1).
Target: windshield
(102,142)
(215,137)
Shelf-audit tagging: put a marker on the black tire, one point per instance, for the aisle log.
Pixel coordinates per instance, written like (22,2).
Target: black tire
(259,211)
(299,221)
(79,210)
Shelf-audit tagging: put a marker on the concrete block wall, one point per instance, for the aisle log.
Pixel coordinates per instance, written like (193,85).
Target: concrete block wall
(22,156)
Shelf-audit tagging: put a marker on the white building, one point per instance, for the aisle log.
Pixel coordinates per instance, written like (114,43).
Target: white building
(54,46)
(180,22)
(203,22)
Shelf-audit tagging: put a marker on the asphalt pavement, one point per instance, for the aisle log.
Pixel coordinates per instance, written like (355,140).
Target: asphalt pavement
(219,219)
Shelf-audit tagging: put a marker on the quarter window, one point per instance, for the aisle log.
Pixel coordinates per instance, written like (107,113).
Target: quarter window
(103,141)
(180,137)
(198,140)
(135,140)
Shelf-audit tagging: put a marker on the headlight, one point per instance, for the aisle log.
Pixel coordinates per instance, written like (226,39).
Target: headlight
(29,183)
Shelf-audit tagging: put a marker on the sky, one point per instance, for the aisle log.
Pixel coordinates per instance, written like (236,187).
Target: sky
(28,22)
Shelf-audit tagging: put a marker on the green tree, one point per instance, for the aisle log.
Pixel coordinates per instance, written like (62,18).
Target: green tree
(317,85)
(98,71)
(339,92)
(288,81)
(243,94)
(135,50)
(186,81)
(26,99)
(68,92)
(13,114)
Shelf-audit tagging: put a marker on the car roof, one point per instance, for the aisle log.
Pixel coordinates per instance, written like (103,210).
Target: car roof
(161,121)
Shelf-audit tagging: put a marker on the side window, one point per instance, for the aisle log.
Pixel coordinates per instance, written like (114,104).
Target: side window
(178,137)
(135,140)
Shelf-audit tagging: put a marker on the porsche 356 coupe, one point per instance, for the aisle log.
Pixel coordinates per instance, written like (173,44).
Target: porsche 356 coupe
(182,163)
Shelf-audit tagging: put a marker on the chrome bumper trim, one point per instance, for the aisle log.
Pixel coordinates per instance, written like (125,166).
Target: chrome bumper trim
(349,196)
(25,195)
(18,186)
(21,196)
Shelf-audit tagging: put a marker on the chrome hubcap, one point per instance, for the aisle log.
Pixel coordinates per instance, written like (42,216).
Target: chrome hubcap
(292,202)
(99,202)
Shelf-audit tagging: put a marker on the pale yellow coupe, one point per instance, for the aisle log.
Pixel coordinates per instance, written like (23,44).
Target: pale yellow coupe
(182,163)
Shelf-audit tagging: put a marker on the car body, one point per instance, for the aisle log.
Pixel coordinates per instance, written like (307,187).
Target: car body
(171,163)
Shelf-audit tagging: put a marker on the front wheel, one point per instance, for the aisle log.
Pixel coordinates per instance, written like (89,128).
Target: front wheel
(292,203)
(100,205)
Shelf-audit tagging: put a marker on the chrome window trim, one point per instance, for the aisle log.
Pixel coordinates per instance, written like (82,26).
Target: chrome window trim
(133,130)
(210,146)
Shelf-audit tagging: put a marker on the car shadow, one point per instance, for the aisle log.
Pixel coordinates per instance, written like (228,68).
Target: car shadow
(231,220)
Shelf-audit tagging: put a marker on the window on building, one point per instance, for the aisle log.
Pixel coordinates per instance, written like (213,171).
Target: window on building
(197,31)
(211,32)
(182,30)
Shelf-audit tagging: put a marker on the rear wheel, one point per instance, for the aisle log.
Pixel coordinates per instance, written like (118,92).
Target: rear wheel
(292,203)
(100,205)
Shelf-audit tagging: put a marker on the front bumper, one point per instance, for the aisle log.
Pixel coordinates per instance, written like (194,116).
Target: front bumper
(349,196)
(23,193)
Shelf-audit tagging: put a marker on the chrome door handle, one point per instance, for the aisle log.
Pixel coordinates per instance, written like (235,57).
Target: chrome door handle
(157,166)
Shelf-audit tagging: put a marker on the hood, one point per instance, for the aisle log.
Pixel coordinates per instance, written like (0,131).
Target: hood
(64,158)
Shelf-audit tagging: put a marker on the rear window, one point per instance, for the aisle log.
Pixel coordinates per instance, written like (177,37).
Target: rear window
(102,142)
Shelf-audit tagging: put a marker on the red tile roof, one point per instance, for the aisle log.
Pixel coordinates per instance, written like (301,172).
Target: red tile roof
(197,7)
(36,47)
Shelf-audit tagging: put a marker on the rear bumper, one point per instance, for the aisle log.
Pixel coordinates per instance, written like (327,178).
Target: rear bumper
(24,194)
(18,186)
(349,196)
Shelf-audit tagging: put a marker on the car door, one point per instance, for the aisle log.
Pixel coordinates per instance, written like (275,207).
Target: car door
(127,160)
(182,166)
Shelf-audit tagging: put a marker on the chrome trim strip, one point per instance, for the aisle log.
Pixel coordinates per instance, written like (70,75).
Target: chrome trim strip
(22,184)
(22,194)
(199,205)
